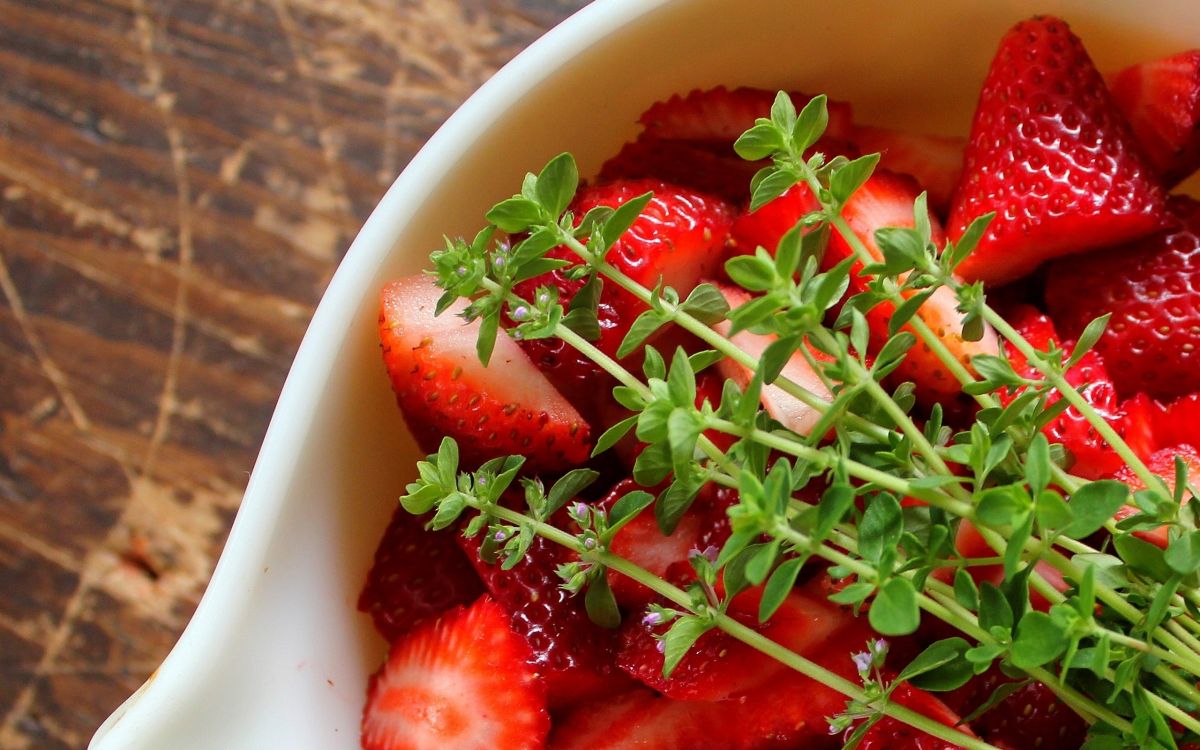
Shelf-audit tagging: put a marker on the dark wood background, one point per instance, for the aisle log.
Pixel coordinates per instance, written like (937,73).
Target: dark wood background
(178,180)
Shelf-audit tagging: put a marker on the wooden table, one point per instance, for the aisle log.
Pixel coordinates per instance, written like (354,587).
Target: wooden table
(178,181)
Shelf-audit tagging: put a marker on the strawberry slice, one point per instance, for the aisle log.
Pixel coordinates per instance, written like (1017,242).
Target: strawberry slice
(971,545)
(1033,716)
(1051,155)
(417,574)
(892,734)
(766,226)
(722,115)
(715,170)
(1092,457)
(1177,423)
(679,238)
(1161,464)
(789,711)
(507,408)
(790,411)
(934,161)
(1161,100)
(642,542)
(1152,342)
(886,200)
(461,681)
(572,655)
(719,665)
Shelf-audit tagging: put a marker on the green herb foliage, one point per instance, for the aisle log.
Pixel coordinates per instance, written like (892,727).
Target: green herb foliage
(1121,646)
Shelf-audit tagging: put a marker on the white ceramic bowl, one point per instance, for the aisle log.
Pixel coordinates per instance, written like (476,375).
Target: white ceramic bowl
(276,655)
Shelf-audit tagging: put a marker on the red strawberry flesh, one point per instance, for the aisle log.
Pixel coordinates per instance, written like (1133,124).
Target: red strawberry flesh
(461,681)
(417,574)
(1161,99)
(1051,155)
(443,389)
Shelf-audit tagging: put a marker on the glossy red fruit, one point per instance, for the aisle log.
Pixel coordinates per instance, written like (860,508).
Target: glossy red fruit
(722,115)
(719,665)
(506,408)
(1161,464)
(572,655)
(934,161)
(679,238)
(789,711)
(1161,100)
(1031,717)
(461,681)
(892,734)
(1091,456)
(1152,289)
(886,200)
(1052,156)
(766,226)
(788,410)
(417,575)
(642,542)
(1177,423)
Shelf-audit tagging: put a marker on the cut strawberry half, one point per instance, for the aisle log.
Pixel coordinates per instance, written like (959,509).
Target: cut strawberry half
(442,388)
(1161,464)
(715,170)
(886,200)
(1091,456)
(892,734)
(642,542)
(934,161)
(1177,423)
(678,239)
(1031,717)
(789,711)
(766,226)
(788,410)
(1161,100)
(719,665)
(572,655)
(1051,155)
(417,575)
(461,681)
(722,115)
(969,543)
(1152,343)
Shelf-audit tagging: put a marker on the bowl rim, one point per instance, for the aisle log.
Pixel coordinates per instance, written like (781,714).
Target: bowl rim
(150,711)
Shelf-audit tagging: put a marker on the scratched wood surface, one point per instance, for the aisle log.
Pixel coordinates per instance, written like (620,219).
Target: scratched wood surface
(178,181)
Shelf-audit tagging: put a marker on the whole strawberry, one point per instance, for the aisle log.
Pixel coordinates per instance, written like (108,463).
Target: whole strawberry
(1152,289)
(1051,155)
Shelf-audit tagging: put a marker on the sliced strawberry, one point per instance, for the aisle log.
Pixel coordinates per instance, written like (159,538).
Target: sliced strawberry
(507,408)
(790,411)
(642,542)
(720,665)
(1161,100)
(572,655)
(934,161)
(1091,456)
(1177,423)
(766,226)
(1161,464)
(1147,427)
(1031,717)
(789,711)
(886,200)
(892,734)
(679,238)
(1152,289)
(722,114)
(715,170)
(461,681)
(1051,155)
(971,545)
(417,575)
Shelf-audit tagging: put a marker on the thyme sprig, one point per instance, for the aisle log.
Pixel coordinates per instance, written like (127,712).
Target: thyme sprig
(1119,645)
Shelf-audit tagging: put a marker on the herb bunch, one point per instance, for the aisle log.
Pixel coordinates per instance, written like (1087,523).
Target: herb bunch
(1121,646)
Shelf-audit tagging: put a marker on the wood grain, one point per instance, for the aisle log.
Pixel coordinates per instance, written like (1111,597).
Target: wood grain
(178,181)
